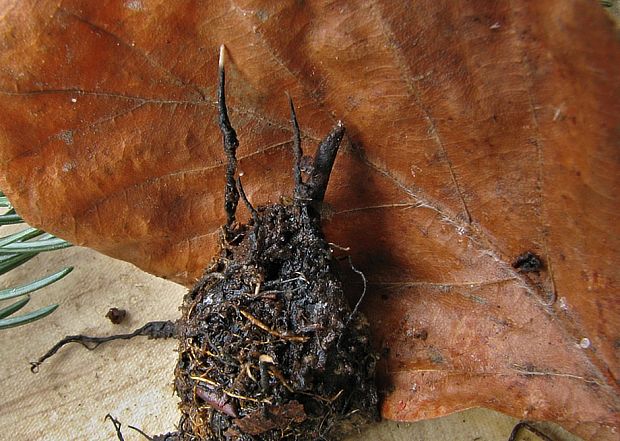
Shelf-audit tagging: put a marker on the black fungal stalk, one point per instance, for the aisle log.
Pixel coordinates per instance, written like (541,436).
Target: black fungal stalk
(269,349)
(230,145)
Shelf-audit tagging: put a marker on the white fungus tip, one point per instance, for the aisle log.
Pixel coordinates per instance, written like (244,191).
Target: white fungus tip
(221,63)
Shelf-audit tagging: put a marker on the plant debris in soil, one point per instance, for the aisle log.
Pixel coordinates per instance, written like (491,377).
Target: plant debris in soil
(269,347)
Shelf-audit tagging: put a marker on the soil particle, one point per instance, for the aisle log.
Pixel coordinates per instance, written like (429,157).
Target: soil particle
(528,262)
(116,315)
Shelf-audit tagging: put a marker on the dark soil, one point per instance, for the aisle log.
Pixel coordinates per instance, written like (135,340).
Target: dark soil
(528,262)
(269,349)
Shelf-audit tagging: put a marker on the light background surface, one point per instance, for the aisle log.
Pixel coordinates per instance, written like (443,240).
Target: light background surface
(132,380)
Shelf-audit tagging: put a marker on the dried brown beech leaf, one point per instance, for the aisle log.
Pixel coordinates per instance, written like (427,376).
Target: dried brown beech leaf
(477,131)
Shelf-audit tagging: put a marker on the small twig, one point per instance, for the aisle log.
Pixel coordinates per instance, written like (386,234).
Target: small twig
(117,426)
(527,425)
(152,330)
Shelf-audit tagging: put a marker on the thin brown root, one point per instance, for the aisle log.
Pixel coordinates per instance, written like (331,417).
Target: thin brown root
(151,330)
(243,397)
(323,399)
(338,247)
(359,301)
(364,283)
(117,426)
(527,425)
(150,438)
(246,201)
(119,434)
(205,380)
(280,377)
(256,322)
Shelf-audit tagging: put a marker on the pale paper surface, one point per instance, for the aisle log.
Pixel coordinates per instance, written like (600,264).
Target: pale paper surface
(132,380)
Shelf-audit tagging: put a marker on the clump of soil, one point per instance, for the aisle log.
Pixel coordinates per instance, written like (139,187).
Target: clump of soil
(528,262)
(269,349)
(116,315)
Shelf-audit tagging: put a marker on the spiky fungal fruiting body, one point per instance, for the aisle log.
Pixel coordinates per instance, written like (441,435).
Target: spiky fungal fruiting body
(269,347)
